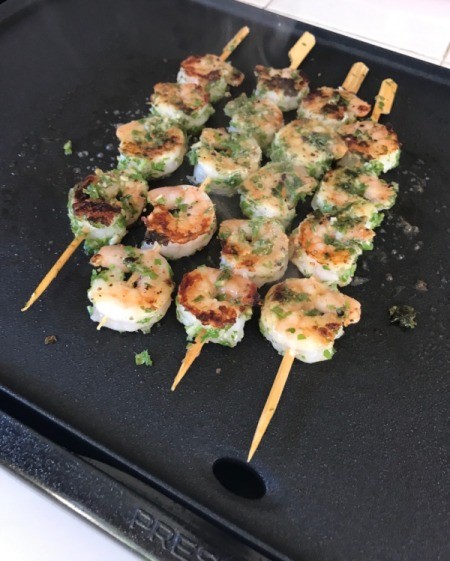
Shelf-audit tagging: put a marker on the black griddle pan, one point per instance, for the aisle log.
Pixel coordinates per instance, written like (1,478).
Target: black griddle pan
(353,465)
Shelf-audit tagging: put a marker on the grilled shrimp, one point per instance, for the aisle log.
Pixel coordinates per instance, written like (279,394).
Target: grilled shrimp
(371,146)
(284,87)
(346,190)
(327,247)
(102,206)
(257,249)
(227,158)
(182,222)
(210,72)
(129,307)
(308,143)
(274,190)
(258,118)
(185,104)
(333,106)
(305,316)
(216,304)
(153,147)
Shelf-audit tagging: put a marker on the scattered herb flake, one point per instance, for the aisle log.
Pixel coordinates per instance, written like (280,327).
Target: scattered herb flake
(405,316)
(50,340)
(68,148)
(279,312)
(143,358)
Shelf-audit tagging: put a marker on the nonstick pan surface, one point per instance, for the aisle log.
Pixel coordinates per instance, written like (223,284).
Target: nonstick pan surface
(353,462)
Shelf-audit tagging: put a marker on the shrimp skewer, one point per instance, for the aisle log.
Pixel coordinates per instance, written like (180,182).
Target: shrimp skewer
(226,158)
(100,209)
(373,147)
(313,142)
(335,106)
(260,116)
(301,318)
(256,249)
(188,105)
(211,72)
(213,305)
(285,87)
(274,190)
(327,247)
(344,189)
(130,289)
(308,315)
(153,147)
(127,132)
(182,222)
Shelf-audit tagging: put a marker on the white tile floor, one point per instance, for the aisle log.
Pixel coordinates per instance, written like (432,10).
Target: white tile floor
(418,28)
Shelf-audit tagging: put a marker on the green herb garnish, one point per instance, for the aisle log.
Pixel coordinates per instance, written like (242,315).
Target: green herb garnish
(143,358)
(405,316)
(68,148)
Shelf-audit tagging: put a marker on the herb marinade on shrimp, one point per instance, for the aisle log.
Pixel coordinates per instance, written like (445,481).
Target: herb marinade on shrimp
(182,222)
(150,148)
(327,152)
(303,317)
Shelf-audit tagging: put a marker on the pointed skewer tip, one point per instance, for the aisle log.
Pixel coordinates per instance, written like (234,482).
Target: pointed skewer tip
(272,401)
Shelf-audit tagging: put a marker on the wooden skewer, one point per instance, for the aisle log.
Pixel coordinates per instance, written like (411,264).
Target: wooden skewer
(102,322)
(272,401)
(301,49)
(53,273)
(385,99)
(355,77)
(234,42)
(192,353)
(205,184)
(78,240)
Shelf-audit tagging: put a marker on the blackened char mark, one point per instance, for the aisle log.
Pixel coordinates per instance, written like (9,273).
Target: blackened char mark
(93,210)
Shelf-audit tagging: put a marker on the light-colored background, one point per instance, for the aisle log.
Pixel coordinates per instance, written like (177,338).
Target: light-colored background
(34,526)
(418,28)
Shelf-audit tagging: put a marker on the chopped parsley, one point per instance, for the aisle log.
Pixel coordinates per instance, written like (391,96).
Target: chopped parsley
(68,148)
(405,316)
(279,312)
(313,312)
(143,358)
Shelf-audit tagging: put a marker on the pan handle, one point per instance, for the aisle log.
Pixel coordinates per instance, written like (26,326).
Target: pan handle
(156,527)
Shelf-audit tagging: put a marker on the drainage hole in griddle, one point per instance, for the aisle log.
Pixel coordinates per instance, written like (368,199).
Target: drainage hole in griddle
(239,478)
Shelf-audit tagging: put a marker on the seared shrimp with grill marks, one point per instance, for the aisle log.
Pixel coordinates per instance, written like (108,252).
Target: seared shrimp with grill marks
(188,105)
(285,87)
(258,249)
(327,247)
(130,289)
(305,316)
(210,72)
(308,143)
(274,190)
(371,146)
(333,106)
(182,222)
(215,304)
(226,158)
(258,118)
(153,147)
(102,206)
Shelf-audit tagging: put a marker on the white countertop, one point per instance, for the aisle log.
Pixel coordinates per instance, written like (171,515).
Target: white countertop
(36,527)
